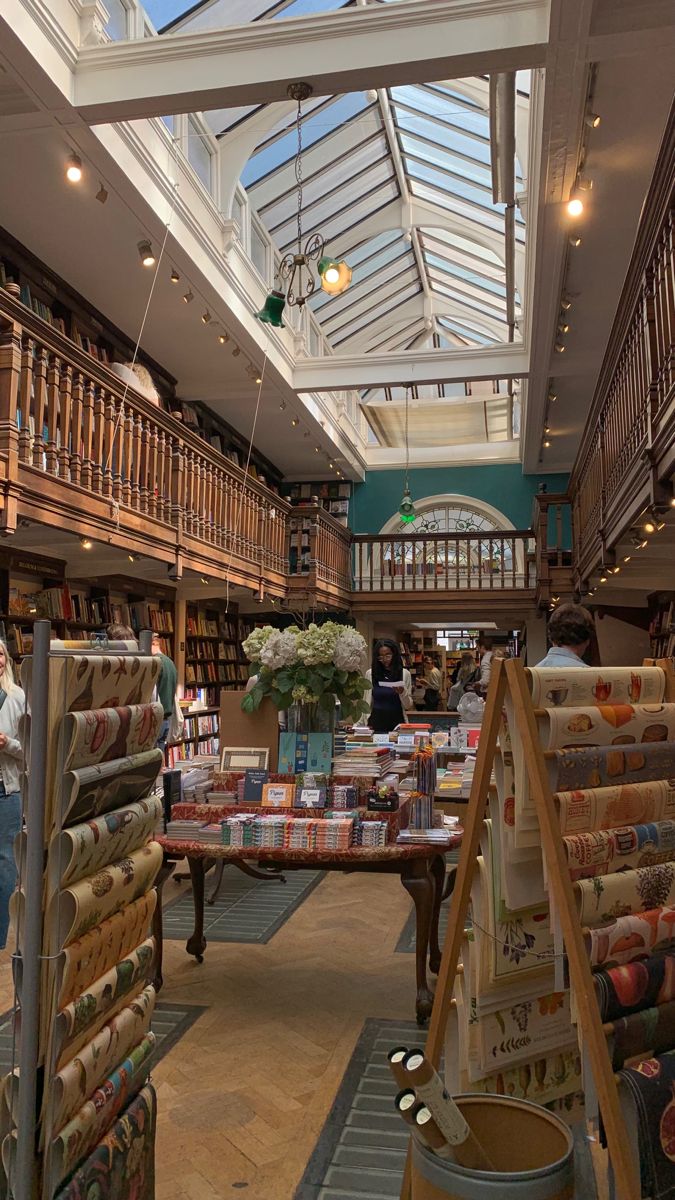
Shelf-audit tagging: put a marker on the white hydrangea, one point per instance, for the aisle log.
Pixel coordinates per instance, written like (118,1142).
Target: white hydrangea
(256,641)
(280,649)
(350,650)
(316,644)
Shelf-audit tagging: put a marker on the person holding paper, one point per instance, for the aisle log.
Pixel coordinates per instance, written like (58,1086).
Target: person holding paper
(391,687)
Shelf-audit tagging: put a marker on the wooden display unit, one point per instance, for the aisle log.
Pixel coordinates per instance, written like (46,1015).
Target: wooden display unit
(331,495)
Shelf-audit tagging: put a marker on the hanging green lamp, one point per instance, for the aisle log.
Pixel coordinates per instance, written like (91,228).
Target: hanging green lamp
(406,509)
(272,310)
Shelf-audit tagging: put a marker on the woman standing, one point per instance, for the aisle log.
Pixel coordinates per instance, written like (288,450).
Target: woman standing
(433,681)
(391,687)
(464,674)
(12,708)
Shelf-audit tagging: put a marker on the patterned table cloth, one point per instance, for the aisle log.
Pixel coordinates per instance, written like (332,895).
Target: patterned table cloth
(356,854)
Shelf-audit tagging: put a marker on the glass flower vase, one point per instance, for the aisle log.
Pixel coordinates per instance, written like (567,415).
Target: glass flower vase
(311,718)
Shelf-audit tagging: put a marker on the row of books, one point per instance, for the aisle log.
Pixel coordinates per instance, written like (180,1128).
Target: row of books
(185,751)
(363,760)
(212,650)
(210,673)
(275,831)
(198,724)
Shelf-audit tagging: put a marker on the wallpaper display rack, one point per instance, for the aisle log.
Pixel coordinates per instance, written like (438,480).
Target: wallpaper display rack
(584,761)
(84,955)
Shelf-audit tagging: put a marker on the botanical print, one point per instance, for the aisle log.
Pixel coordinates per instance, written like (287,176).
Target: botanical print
(91,791)
(89,957)
(610,850)
(79,1136)
(636,986)
(123,1164)
(647,1093)
(607,725)
(107,733)
(609,766)
(634,936)
(611,807)
(644,1034)
(81,1020)
(583,685)
(516,1032)
(77,1081)
(78,908)
(520,870)
(85,849)
(81,681)
(607,896)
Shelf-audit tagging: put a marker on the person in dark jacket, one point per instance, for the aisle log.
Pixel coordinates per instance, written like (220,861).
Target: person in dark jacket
(166,688)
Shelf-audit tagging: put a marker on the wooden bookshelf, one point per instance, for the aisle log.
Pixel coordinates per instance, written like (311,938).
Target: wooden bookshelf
(331,495)
(662,624)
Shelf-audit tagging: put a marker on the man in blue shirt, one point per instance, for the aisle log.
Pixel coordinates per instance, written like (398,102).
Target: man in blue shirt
(570,630)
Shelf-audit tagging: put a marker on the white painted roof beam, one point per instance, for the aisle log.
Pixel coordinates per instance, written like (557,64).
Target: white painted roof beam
(341,372)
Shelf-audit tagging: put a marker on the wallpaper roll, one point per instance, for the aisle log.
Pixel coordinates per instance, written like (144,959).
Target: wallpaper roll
(611,807)
(85,849)
(123,1163)
(92,791)
(571,770)
(88,958)
(82,681)
(610,850)
(608,896)
(578,686)
(646,1094)
(621,991)
(607,725)
(634,936)
(643,1034)
(78,1138)
(78,908)
(81,1020)
(103,734)
(78,1080)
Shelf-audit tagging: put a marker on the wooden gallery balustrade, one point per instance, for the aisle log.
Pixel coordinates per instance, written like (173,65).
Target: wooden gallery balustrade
(77,453)
(627,454)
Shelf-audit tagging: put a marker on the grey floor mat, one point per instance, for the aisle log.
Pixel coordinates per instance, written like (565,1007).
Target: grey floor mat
(247,910)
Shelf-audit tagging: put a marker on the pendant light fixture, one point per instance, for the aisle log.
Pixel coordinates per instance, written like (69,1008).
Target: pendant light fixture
(406,509)
(295,282)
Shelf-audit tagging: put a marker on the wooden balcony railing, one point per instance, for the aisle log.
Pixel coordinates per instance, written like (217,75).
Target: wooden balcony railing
(552,525)
(319,555)
(627,452)
(475,562)
(75,449)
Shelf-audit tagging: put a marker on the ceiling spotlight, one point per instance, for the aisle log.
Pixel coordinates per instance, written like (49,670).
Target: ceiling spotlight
(603,577)
(575,240)
(236,352)
(189,296)
(584,183)
(132,557)
(295,422)
(145,251)
(174,276)
(592,120)
(672,502)
(575,207)
(407,236)
(615,570)
(626,558)
(649,526)
(563,327)
(547,428)
(282,405)
(639,542)
(566,303)
(546,443)
(317,449)
(552,397)
(204,579)
(102,193)
(559,348)
(223,338)
(206,317)
(73,168)
(258,378)
(86,543)
(339,472)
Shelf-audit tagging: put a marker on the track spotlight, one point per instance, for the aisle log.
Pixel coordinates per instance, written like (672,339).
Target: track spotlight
(584,183)
(258,378)
(223,338)
(282,405)
(317,449)
(174,276)
(672,502)
(204,579)
(73,168)
(603,577)
(639,542)
(146,254)
(86,543)
(189,296)
(552,397)
(206,317)
(565,303)
(563,327)
(331,465)
(575,207)
(574,240)
(236,352)
(547,428)
(592,120)
(102,193)
(295,422)
(626,558)
(559,348)
(615,570)
(132,557)
(546,443)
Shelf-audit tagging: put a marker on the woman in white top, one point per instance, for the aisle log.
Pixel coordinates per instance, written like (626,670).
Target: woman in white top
(12,708)
(391,687)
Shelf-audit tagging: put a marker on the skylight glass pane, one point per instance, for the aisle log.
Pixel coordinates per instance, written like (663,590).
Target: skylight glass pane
(460,273)
(439,157)
(117,27)
(275,154)
(199,153)
(230,12)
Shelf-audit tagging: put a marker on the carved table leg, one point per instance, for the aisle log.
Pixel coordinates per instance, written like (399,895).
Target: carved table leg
(418,881)
(165,871)
(196,943)
(438,875)
(220,867)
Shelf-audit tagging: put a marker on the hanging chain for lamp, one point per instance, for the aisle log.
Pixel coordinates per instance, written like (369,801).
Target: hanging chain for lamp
(407,508)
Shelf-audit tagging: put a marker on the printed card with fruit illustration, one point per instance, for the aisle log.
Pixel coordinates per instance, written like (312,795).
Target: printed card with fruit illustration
(607,725)
(586,685)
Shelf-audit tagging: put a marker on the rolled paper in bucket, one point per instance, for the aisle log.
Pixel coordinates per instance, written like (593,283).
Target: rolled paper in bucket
(466,1147)
(530,1149)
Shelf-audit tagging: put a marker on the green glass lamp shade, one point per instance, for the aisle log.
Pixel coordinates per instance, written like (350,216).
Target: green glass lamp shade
(407,509)
(335,276)
(272,310)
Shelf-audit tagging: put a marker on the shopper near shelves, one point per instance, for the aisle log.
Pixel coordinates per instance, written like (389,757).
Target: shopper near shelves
(120,633)
(432,684)
(485,647)
(12,709)
(464,676)
(570,630)
(166,689)
(391,687)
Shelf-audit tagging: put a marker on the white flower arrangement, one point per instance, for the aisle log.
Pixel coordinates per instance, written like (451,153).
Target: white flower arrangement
(315,665)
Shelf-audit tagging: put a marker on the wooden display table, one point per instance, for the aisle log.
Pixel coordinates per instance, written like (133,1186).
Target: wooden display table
(421,868)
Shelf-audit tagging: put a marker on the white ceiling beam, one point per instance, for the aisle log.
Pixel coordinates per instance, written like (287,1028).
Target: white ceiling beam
(384,457)
(348,50)
(339,373)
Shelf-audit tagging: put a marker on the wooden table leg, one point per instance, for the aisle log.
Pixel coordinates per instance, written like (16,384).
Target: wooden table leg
(196,943)
(418,881)
(165,871)
(438,876)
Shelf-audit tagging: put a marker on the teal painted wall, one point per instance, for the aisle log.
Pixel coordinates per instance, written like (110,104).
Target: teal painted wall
(503,485)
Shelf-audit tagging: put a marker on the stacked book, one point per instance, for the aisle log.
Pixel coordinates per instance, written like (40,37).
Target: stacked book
(371,833)
(184,831)
(300,833)
(269,832)
(366,761)
(410,835)
(238,831)
(334,835)
(211,835)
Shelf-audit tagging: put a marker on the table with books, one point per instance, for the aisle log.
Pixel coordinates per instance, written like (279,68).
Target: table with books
(266,842)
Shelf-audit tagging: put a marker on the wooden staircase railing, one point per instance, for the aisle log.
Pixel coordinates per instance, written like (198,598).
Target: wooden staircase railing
(426,562)
(319,557)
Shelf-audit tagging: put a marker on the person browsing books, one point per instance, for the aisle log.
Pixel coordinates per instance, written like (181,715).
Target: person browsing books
(391,687)
(12,708)
(166,688)
(570,630)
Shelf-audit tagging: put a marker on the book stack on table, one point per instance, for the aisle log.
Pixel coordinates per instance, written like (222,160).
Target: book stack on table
(364,761)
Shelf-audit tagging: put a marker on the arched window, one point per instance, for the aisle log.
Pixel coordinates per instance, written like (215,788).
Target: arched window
(450,514)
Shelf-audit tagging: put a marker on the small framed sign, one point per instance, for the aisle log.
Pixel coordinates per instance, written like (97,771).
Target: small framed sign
(238,758)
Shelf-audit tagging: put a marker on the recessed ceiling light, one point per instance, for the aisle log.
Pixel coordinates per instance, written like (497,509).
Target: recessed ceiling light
(295,422)
(146,253)
(74,168)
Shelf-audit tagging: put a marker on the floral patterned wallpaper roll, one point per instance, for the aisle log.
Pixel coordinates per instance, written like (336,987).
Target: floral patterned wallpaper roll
(75,910)
(123,1163)
(84,849)
(88,958)
(609,896)
(633,936)
(104,734)
(637,986)
(91,791)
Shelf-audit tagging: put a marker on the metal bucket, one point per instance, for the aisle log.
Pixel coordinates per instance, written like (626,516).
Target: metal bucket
(530,1148)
